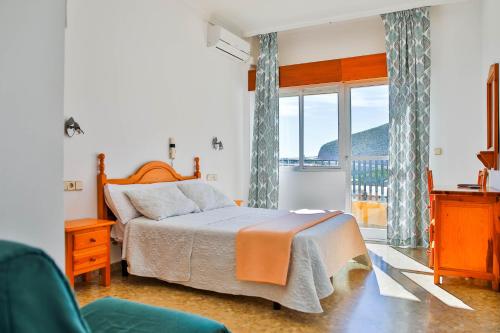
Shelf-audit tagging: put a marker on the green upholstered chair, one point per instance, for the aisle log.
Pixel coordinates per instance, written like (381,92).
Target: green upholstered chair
(35,297)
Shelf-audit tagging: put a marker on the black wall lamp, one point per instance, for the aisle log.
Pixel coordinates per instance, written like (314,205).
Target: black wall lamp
(71,127)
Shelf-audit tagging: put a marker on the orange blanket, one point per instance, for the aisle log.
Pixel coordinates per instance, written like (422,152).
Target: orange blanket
(263,250)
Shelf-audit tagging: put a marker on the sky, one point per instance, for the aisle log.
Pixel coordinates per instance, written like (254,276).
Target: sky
(369,108)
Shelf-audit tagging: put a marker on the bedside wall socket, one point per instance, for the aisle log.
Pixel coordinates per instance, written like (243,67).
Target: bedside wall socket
(73,185)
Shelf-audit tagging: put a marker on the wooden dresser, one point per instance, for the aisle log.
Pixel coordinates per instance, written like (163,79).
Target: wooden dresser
(88,248)
(467,233)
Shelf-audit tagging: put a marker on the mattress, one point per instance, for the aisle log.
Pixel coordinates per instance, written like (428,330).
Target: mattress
(198,250)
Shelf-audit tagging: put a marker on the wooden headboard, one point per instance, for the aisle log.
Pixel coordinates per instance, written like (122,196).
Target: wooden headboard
(149,173)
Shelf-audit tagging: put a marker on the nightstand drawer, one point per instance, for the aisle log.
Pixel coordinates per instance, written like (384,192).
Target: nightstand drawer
(83,240)
(87,248)
(85,260)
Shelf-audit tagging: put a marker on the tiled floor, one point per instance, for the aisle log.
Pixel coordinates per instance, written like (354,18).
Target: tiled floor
(396,296)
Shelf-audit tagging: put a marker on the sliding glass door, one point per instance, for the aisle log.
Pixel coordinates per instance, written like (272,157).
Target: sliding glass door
(368,176)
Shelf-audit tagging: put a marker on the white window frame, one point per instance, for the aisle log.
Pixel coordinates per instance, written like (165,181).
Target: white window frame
(329,89)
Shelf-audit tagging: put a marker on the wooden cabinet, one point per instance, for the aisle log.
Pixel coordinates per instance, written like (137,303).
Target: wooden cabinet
(88,248)
(467,234)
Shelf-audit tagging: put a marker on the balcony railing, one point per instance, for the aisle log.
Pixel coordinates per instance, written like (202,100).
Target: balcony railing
(308,162)
(369,175)
(369,178)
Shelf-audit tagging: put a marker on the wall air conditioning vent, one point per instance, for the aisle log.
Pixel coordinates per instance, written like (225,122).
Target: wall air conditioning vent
(228,42)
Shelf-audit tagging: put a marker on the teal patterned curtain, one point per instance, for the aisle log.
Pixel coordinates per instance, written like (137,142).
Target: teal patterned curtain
(407,35)
(264,176)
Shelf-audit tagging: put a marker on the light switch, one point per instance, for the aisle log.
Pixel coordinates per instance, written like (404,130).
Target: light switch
(78,185)
(212,177)
(438,151)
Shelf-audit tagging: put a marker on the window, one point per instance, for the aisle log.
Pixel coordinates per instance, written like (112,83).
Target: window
(321,130)
(309,129)
(369,110)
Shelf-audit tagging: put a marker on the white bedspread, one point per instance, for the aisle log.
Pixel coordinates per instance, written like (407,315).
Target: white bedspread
(198,250)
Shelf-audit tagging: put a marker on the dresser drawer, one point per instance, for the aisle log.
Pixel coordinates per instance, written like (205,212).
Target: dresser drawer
(85,260)
(83,240)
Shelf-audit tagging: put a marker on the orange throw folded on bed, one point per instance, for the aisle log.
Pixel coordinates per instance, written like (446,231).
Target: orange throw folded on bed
(263,250)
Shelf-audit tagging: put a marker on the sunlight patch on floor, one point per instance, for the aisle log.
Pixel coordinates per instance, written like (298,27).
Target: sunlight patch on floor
(390,287)
(427,282)
(397,259)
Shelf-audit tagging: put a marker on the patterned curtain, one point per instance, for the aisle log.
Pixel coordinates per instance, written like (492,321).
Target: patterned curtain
(407,35)
(264,176)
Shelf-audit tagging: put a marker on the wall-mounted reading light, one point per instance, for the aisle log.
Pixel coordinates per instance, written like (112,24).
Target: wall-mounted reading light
(171,149)
(217,144)
(71,127)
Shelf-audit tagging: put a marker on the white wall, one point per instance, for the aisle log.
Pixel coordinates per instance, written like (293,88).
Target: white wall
(332,41)
(490,45)
(31,109)
(458,119)
(312,189)
(490,31)
(138,73)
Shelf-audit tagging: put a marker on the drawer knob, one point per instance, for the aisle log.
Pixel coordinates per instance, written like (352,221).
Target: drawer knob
(93,259)
(92,240)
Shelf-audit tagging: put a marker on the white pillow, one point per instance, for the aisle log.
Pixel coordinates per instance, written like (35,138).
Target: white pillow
(120,204)
(160,203)
(205,196)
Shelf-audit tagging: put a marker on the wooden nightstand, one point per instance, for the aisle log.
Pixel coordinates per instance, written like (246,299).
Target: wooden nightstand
(238,202)
(88,248)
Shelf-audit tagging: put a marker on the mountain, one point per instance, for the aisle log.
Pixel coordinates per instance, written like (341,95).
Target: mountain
(372,142)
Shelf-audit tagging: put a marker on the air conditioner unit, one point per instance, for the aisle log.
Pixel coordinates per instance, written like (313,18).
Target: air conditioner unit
(228,42)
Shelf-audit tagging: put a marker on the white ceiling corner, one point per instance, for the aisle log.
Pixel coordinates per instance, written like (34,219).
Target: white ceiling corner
(249,18)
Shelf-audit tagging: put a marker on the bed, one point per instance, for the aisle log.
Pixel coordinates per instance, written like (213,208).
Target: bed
(198,249)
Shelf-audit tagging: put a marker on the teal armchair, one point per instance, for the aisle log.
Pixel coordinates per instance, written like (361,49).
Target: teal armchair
(35,297)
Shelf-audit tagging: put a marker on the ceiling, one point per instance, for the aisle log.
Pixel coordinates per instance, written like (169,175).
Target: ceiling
(252,17)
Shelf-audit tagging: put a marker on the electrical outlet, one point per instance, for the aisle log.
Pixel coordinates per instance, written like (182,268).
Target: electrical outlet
(69,185)
(438,151)
(212,177)
(73,185)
